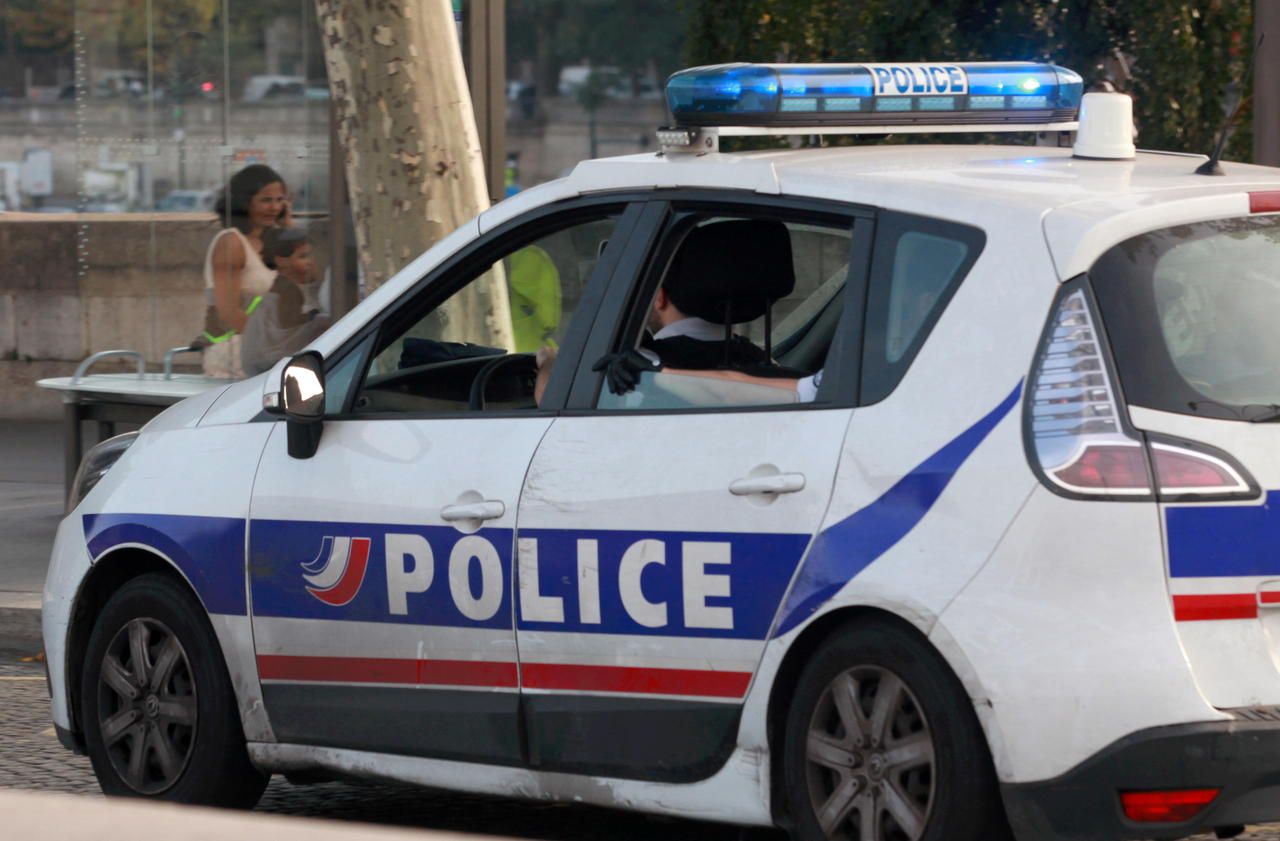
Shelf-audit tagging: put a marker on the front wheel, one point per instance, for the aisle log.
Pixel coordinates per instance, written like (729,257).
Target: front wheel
(882,744)
(160,716)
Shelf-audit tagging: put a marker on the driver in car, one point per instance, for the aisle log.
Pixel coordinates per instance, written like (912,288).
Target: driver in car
(724,273)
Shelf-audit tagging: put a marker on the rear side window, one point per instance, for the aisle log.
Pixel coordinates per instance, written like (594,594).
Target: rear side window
(1192,314)
(918,265)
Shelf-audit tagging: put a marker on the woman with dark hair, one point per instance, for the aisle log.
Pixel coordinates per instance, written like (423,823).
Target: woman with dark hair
(235,276)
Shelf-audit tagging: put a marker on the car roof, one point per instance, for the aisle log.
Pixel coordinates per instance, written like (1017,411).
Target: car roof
(1038,193)
(1038,177)
(1075,201)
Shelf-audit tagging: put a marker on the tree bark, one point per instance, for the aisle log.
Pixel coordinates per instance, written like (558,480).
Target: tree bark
(412,152)
(1266,84)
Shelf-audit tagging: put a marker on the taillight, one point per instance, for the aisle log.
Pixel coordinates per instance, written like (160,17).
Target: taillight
(1182,472)
(1075,427)
(1107,467)
(1082,445)
(1174,806)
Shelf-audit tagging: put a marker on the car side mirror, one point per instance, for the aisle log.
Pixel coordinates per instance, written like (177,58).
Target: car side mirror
(302,398)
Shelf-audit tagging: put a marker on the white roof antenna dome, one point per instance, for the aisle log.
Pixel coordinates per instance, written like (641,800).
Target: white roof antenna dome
(1106,127)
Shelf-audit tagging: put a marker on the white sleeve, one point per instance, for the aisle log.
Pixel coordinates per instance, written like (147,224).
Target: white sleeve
(807,388)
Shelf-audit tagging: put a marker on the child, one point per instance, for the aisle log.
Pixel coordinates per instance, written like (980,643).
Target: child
(280,324)
(288,251)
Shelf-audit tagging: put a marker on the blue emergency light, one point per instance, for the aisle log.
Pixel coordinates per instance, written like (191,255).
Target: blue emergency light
(778,95)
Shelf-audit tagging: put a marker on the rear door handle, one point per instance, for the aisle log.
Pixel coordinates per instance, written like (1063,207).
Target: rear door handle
(779,483)
(489,509)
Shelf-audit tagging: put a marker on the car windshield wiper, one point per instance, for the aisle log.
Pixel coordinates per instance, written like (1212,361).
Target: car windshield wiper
(1251,412)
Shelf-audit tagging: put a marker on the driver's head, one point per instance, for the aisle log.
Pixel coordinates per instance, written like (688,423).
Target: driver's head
(726,272)
(664,311)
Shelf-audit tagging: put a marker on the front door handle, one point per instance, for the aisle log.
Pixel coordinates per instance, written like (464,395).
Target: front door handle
(488,509)
(778,483)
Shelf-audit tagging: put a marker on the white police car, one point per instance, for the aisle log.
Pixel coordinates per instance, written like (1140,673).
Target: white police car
(1014,564)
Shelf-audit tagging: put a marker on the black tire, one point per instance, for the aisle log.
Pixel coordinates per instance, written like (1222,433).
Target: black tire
(927,762)
(174,733)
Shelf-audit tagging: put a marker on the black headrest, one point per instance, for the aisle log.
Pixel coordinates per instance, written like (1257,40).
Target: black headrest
(739,267)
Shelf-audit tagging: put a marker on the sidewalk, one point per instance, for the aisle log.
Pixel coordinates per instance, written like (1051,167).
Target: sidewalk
(31,504)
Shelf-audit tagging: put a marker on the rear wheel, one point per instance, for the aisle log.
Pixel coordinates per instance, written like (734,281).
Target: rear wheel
(882,744)
(160,716)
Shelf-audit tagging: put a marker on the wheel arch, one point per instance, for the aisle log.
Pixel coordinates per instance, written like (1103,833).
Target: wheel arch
(802,649)
(108,573)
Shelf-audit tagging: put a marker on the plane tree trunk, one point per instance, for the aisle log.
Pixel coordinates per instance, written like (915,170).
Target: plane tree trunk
(411,148)
(1266,84)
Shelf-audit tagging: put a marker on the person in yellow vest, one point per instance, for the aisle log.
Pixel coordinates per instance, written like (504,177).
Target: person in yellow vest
(533,283)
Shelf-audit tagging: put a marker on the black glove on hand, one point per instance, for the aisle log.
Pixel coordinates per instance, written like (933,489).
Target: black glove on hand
(623,369)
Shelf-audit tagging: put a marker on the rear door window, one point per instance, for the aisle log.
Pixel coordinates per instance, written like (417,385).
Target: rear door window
(777,345)
(1192,312)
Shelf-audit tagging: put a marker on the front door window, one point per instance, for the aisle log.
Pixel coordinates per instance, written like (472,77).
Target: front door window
(475,348)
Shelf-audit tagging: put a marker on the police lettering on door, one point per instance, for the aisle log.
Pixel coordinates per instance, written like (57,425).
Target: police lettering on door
(605,582)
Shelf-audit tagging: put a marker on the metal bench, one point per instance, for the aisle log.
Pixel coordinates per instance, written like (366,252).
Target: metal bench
(110,399)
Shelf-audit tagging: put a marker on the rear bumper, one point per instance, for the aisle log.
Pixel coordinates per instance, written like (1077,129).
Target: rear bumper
(1240,757)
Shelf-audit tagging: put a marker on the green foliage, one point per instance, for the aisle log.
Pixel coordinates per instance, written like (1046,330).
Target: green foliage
(634,36)
(36,25)
(1182,60)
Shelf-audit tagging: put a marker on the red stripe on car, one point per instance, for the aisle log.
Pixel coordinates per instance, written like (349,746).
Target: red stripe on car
(1216,606)
(706,684)
(387,670)
(641,681)
(1265,202)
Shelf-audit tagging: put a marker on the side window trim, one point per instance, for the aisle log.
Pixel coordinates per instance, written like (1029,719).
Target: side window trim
(844,375)
(615,302)
(489,247)
(360,355)
(846,347)
(589,307)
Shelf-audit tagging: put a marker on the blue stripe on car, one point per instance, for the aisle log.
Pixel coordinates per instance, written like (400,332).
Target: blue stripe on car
(208,550)
(1207,541)
(845,549)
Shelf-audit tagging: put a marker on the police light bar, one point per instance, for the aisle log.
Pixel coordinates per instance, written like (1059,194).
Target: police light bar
(778,97)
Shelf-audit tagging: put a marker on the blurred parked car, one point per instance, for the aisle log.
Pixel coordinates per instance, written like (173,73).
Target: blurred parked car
(187,201)
(274,87)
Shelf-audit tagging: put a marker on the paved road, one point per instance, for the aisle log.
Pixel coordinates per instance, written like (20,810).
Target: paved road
(31,758)
(31,502)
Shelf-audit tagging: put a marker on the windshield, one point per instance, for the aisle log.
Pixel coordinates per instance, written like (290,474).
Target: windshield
(1193,314)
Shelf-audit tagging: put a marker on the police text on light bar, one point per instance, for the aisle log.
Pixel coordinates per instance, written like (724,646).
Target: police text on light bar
(979,93)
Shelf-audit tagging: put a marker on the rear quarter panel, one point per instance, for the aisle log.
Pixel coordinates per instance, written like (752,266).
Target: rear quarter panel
(934,475)
(1070,632)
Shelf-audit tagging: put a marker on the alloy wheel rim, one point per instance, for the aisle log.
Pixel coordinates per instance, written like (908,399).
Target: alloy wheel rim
(147,706)
(869,759)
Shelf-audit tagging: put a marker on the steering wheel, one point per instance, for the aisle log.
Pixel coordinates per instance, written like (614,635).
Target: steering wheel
(475,400)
